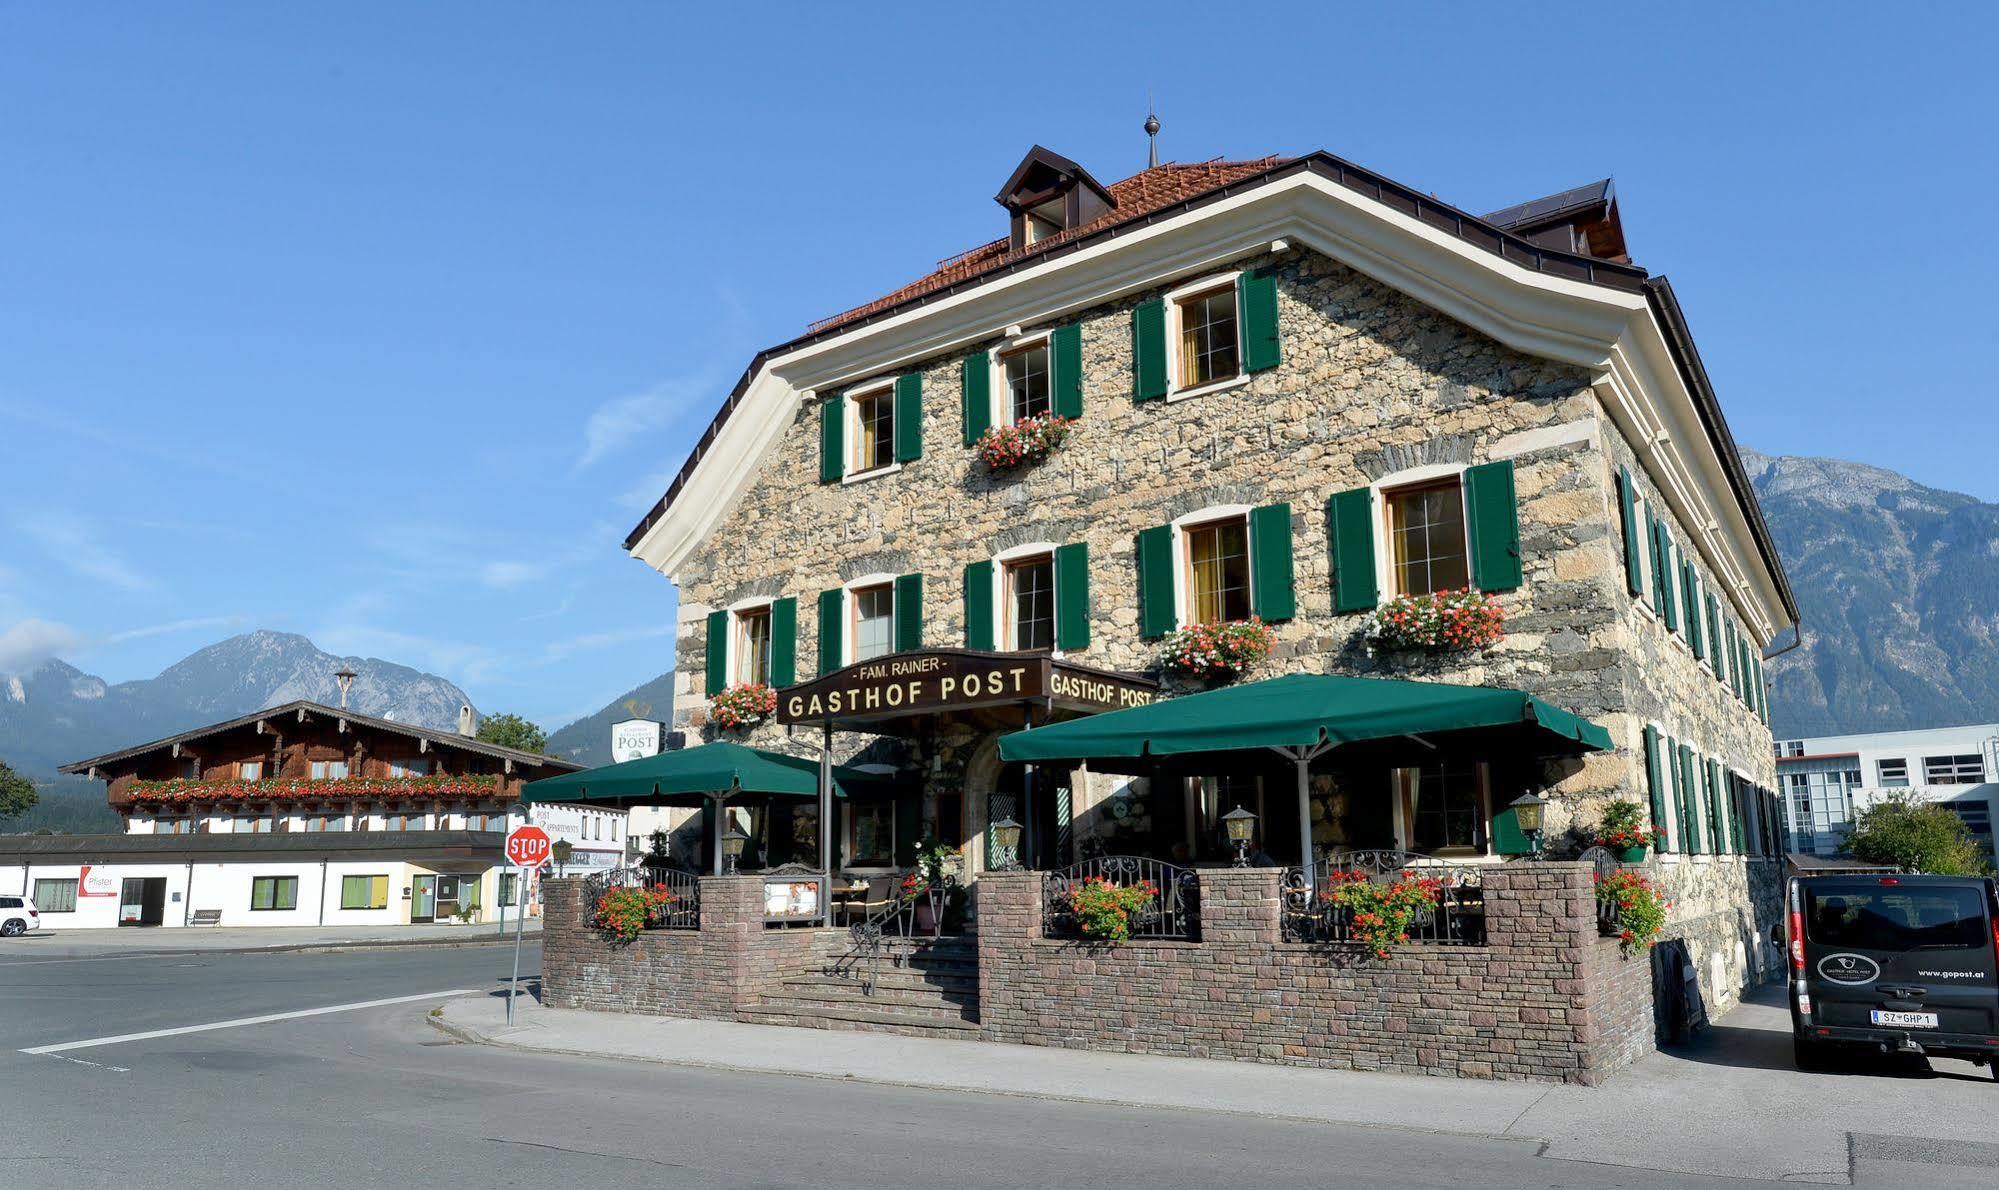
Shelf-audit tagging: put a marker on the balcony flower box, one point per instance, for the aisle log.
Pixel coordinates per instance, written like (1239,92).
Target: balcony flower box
(184,791)
(743,705)
(1446,622)
(1029,440)
(1221,651)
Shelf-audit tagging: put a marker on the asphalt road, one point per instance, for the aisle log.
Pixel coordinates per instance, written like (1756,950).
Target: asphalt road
(375,1097)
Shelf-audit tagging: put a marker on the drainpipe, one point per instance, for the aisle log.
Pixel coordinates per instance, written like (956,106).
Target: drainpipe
(322,892)
(187,898)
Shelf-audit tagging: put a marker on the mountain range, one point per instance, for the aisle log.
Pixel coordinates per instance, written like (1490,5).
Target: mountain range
(1898,585)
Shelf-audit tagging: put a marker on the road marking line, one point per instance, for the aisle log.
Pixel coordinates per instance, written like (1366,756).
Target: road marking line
(244,1020)
(88,1062)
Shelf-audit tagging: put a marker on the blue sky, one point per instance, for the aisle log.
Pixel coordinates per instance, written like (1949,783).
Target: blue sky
(384,323)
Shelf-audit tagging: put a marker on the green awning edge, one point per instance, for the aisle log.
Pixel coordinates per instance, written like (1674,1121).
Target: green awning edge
(701,771)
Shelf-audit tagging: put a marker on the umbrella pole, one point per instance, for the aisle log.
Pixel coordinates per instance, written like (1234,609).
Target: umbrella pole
(1305,817)
(717,828)
(826,824)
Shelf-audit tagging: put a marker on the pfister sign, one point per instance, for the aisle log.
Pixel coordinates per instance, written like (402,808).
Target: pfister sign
(636,739)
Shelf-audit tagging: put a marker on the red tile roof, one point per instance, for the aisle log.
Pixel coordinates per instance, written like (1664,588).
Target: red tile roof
(1138,195)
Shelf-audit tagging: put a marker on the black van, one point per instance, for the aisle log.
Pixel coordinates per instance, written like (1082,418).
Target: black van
(1896,964)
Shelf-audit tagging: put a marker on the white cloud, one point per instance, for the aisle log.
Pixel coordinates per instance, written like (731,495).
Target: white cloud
(75,544)
(507,573)
(176,626)
(27,643)
(621,421)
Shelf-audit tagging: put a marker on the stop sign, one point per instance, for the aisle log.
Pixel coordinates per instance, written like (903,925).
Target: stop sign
(527,846)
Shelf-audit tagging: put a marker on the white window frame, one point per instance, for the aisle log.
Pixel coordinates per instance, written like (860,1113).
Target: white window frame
(1173,299)
(1405,839)
(850,414)
(244,770)
(1881,780)
(1183,594)
(999,402)
(1384,548)
(730,647)
(400,768)
(850,612)
(1002,625)
(322,770)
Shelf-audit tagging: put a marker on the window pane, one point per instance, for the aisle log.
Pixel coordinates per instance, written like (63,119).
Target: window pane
(874,622)
(55,896)
(1426,531)
(874,439)
(1208,338)
(250,770)
(1953,770)
(1447,807)
(874,835)
(1871,917)
(1218,571)
(1027,381)
(753,646)
(1031,598)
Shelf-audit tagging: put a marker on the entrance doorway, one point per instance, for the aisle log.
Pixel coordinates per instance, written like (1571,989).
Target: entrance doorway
(423,898)
(142,901)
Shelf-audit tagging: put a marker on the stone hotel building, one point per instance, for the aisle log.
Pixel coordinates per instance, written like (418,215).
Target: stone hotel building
(1287,391)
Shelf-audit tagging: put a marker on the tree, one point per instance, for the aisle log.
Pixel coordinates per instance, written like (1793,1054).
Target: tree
(512,731)
(1917,835)
(17,793)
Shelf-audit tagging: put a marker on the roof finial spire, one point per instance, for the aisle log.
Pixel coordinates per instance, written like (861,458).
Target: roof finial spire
(1151,136)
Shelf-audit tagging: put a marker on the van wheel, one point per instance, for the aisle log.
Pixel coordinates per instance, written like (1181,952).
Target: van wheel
(14,927)
(1808,1056)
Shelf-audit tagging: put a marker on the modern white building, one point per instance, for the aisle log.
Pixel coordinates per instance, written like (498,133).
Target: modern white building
(1828,780)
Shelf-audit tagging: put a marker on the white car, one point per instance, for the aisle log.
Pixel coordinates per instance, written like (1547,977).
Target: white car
(18,916)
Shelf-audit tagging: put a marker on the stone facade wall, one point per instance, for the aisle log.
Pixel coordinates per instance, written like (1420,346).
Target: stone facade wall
(1546,999)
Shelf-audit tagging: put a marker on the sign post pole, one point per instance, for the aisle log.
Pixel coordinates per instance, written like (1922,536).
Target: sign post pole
(527,846)
(520,928)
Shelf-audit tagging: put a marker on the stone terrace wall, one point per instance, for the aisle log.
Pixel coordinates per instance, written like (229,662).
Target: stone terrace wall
(707,973)
(1546,999)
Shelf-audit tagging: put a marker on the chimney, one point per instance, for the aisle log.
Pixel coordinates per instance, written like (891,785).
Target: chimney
(466,725)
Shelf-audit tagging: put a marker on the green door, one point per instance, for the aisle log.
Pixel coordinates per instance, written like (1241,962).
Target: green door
(423,898)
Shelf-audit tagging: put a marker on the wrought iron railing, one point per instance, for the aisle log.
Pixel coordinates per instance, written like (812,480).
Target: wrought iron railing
(1173,913)
(683,912)
(1309,914)
(1605,863)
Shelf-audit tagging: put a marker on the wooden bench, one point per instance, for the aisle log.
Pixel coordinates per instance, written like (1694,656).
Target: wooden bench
(206,917)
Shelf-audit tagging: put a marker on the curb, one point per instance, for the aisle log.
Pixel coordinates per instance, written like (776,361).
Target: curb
(289,948)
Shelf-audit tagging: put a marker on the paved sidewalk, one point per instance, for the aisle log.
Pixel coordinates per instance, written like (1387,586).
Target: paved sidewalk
(132,942)
(1731,1106)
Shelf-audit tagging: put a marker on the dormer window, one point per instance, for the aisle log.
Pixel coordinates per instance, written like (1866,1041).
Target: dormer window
(1044,221)
(1049,194)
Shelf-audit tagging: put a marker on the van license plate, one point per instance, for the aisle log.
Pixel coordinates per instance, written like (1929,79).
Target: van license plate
(1904,1020)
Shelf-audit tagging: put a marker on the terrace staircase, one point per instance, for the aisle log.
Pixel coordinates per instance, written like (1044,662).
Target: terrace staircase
(933,993)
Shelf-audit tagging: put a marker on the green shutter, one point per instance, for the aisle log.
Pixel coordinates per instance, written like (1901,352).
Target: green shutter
(1652,527)
(1270,556)
(1256,297)
(1634,548)
(1714,635)
(718,652)
(1148,351)
(1350,527)
(1762,690)
(1065,362)
(1507,837)
(1690,803)
(1693,592)
(1669,604)
(784,642)
(1493,520)
(1734,655)
(909,417)
(1156,616)
(1072,597)
(1733,788)
(832,609)
(977,390)
(833,438)
(978,605)
(908,828)
(1655,783)
(908,612)
(1717,801)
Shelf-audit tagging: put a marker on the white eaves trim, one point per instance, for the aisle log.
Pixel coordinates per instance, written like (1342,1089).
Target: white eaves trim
(1610,332)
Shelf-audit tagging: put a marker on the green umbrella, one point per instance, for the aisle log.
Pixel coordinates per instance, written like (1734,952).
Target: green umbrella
(694,773)
(1300,711)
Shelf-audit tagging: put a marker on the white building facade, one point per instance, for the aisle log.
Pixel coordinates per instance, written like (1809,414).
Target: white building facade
(1827,781)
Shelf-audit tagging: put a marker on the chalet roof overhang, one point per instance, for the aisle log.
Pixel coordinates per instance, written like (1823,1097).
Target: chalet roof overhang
(299,711)
(1615,320)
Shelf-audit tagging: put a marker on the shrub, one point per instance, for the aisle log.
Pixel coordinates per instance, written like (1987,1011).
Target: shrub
(1444,622)
(1222,650)
(1638,908)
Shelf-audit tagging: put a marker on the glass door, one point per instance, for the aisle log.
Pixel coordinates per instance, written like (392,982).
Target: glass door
(447,898)
(423,898)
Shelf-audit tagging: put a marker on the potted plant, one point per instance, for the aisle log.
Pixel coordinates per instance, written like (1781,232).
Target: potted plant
(1104,911)
(931,884)
(623,912)
(1448,621)
(1380,914)
(742,705)
(1625,831)
(1220,651)
(1028,440)
(1637,908)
